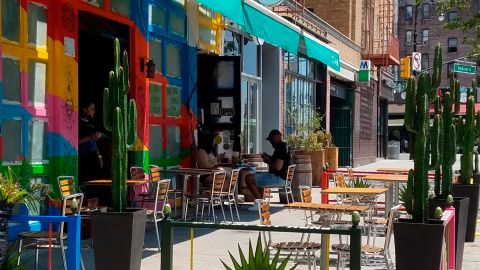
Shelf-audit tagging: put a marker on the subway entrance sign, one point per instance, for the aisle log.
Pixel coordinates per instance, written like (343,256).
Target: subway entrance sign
(462,68)
(364,71)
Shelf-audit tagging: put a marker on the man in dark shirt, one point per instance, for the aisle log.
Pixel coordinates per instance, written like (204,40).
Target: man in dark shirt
(277,173)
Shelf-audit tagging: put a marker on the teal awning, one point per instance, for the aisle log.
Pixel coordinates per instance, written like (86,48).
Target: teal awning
(267,25)
(322,52)
(229,8)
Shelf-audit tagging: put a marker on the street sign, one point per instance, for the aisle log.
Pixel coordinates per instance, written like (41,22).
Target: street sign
(416,61)
(467,69)
(364,71)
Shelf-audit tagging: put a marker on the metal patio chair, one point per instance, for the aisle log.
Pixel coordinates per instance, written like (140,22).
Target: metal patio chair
(40,240)
(161,198)
(229,196)
(173,193)
(286,190)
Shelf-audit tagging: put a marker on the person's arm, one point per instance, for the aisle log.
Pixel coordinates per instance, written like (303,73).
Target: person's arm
(85,139)
(204,161)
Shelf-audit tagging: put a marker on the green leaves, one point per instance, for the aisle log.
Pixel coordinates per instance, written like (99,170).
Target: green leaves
(258,260)
(11,258)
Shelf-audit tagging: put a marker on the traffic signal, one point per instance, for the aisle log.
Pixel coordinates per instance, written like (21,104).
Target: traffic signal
(405,67)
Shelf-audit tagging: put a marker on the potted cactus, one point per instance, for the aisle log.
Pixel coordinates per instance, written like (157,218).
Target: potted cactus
(423,232)
(126,226)
(469,131)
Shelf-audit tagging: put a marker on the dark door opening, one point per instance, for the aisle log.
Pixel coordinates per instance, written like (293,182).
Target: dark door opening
(95,61)
(341,128)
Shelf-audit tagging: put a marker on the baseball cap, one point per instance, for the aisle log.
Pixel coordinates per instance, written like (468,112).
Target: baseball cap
(272,133)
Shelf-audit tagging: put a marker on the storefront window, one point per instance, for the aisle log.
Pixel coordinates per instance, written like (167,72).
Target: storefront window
(37,25)
(37,82)
(11,81)
(12,140)
(156,53)
(207,35)
(156,142)
(250,57)
(156,16)
(11,20)
(120,6)
(156,99)
(173,138)
(302,66)
(177,25)
(174,102)
(232,43)
(38,138)
(250,93)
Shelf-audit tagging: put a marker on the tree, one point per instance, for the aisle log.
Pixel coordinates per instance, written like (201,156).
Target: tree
(469,25)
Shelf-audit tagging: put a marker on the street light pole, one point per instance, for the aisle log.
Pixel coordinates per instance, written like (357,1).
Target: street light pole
(415,33)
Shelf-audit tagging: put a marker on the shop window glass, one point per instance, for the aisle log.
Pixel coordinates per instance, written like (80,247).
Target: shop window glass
(293,63)
(250,57)
(173,142)
(97,3)
(11,20)
(311,69)
(231,43)
(156,53)
(12,140)
(38,141)
(37,25)
(177,24)
(174,61)
(155,142)
(120,6)
(37,80)
(11,79)
(206,11)
(207,35)
(302,66)
(156,99)
(174,102)
(156,16)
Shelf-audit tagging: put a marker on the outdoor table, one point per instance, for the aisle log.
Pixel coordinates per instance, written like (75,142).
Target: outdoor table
(355,193)
(130,183)
(186,173)
(392,181)
(394,170)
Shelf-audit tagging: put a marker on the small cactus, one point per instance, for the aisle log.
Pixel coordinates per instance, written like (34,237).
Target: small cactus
(449,200)
(167,209)
(355,218)
(438,213)
(74,206)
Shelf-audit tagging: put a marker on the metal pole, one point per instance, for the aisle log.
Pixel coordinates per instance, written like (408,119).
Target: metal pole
(356,248)
(415,33)
(166,245)
(73,242)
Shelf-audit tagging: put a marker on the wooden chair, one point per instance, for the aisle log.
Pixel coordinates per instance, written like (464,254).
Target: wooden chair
(306,248)
(66,184)
(287,189)
(155,176)
(372,253)
(212,198)
(161,198)
(138,173)
(229,196)
(40,240)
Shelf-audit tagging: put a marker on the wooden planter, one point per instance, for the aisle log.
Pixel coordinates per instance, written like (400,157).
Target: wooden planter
(331,157)
(318,159)
(303,173)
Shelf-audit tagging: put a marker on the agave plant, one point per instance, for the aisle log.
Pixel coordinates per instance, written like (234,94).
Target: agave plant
(260,260)
(11,192)
(360,183)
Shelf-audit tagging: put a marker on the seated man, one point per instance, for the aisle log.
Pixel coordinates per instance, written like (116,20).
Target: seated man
(277,173)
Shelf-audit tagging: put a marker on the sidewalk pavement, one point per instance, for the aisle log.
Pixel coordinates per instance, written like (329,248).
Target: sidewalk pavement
(211,246)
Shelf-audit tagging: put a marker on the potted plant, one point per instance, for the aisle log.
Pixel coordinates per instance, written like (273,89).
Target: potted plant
(258,260)
(11,194)
(419,230)
(119,233)
(469,131)
(443,158)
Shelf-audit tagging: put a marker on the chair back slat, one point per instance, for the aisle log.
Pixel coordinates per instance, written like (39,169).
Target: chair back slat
(391,218)
(161,196)
(306,194)
(218,181)
(137,173)
(66,185)
(233,180)
(264,213)
(154,173)
(340,180)
(290,173)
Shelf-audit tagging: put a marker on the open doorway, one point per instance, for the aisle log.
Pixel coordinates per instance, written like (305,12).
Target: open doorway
(95,61)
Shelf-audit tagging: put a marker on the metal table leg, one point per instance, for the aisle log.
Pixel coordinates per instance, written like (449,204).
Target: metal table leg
(388,198)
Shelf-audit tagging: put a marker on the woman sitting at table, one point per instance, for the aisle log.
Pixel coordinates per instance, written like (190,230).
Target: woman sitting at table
(205,157)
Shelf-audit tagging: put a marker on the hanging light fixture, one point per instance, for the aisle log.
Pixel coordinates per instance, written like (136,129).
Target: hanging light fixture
(150,67)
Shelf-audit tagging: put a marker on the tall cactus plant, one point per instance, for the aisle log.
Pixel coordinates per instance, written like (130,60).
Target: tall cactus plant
(449,146)
(119,117)
(471,132)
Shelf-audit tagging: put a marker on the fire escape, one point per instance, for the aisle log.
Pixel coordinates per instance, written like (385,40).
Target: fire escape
(379,44)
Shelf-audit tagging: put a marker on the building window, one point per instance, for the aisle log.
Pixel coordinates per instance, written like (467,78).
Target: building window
(408,37)
(425,61)
(121,7)
(38,139)
(250,57)
(452,44)
(425,36)
(452,16)
(426,11)
(231,43)
(12,140)
(11,20)
(409,12)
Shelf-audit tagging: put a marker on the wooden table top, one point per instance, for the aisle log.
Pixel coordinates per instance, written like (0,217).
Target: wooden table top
(106,182)
(328,207)
(387,177)
(191,171)
(394,170)
(354,191)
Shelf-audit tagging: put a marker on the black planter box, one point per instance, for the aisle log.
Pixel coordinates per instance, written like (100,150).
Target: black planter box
(418,246)
(118,239)
(471,192)
(5,213)
(461,213)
